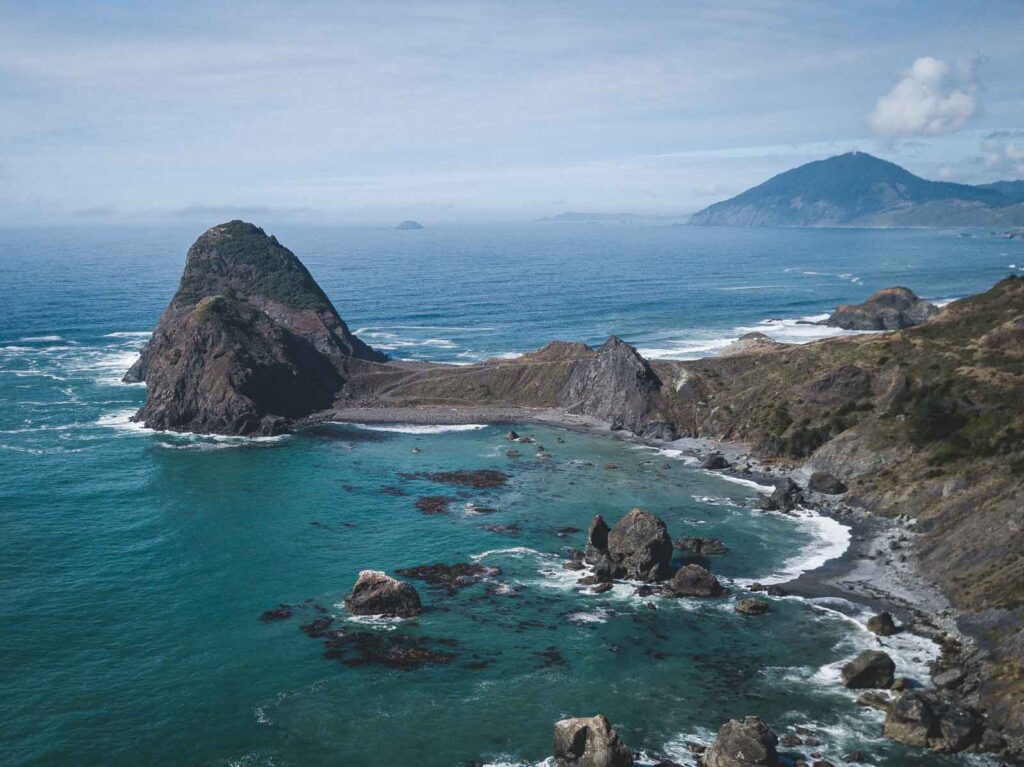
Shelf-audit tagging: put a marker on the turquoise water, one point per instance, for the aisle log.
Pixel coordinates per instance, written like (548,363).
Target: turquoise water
(136,566)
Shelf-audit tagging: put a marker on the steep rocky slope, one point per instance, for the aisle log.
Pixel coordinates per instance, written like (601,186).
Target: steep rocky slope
(248,342)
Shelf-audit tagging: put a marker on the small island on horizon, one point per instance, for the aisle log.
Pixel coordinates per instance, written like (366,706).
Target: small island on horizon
(409,225)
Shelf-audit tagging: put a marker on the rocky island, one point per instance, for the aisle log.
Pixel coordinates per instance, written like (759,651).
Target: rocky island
(924,423)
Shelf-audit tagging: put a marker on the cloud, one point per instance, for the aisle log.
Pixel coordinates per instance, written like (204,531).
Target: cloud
(930,99)
(1004,153)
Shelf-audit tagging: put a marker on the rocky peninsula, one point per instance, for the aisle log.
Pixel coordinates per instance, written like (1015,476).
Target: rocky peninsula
(921,427)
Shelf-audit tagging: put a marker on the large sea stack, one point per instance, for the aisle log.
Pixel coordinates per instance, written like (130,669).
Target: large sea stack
(248,343)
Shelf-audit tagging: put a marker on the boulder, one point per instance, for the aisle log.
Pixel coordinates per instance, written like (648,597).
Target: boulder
(751,606)
(715,462)
(926,720)
(377,593)
(639,547)
(746,743)
(825,483)
(701,546)
(888,309)
(694,581)
(597,541)
(786,497)
(882,624)
(872,669)
(589,742)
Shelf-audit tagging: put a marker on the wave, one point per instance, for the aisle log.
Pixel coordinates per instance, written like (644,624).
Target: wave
(130,334)
(830,540)
(121,420)
(40,339)
(413,428)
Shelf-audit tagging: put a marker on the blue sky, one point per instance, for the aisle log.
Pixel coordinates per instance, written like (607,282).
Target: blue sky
(369,112)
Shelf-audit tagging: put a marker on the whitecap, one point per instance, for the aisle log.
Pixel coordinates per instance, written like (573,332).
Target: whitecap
(831,539)
(40,339)
(413,428)
(130,334)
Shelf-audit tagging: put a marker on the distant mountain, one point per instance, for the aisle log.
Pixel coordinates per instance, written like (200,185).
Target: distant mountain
(857,189)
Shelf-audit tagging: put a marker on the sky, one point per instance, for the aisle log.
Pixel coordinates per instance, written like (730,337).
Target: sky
(373,112)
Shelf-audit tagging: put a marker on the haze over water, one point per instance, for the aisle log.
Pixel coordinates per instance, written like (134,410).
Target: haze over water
(136,565)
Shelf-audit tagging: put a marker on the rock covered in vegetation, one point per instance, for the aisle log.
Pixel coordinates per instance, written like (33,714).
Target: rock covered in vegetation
(871,669)
(248,343)
(888,309)
(377,593)
(589,742)
(694,581)
(639,547)
(743,743)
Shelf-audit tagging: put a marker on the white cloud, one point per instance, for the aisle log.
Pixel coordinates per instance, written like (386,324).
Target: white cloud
(930,99)
(1004,153)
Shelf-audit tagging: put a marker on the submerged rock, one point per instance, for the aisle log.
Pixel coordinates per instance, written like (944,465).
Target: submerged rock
(639,547)
(377,593)
(888,309)
(589,742)
(480,479)
(433,504)
(389,649)
(451,577)
(746,743)
(871,669)
(694,581)
(701,546)
(825,483)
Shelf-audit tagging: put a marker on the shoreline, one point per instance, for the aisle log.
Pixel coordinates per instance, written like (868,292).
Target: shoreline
(877,569)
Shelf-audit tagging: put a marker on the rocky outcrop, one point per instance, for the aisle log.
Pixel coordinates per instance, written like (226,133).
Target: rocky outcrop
(751,606)
(872,669)
(693,581)
(616,385)
(826,484)
(639,547)
(743,743)
(927,720)
(889,309)
(751,343)
(589,742)
(786,497)
(715,462)
(248,343)
(377,593)
(882,624)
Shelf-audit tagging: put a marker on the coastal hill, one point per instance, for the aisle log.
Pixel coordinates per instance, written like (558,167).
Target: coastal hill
(923,423)
(858,189)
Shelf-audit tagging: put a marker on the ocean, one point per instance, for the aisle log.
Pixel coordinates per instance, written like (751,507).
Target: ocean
(135,566)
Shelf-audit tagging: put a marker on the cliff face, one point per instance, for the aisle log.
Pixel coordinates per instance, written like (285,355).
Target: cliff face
(248,342)
(926,422)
